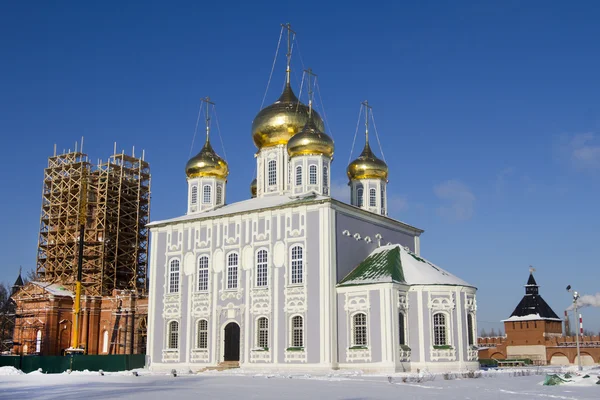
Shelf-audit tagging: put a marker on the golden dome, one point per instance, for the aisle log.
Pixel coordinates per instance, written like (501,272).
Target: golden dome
(367,166)
(310,141)
(277,123)
(253,188)
(207,164)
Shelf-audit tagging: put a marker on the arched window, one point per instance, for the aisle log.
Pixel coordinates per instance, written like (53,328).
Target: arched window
(402,329)
(297,331)
(359,329)
(173,335)
(372,197)
(194,195)
(206,195)
(203,273)
(105,342)
(262,334)
(325,180)
(272,172)
(359,196)
(440,336)
(297,267)
(470,330)
(261,268)
(38,342)
(232,271)
(298,176)
(174,276)
(202,342)
(312,175)
(383,200)
(219,194)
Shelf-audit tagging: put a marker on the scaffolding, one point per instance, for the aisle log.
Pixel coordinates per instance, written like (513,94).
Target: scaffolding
(115,239)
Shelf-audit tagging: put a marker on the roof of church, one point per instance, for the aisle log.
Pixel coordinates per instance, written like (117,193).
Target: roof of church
(532,306)
(55,289)
(19,281)
(396,264)
(272,202)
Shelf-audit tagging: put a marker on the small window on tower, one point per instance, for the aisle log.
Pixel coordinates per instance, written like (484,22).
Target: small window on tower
(312,175)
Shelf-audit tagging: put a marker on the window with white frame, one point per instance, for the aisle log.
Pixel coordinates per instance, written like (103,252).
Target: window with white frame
(298,176)
(297,265)
(440,335)
(372,197)
(297,331)
(325,180)
(202,338)
(38,342)
(402,329)
(174,276)
(206,194)
(359,196)
(261,268)
(272,172)
(173,335)
(105,342)
(470,327)
(262,333)
(194,196)
(232,271)
(219,194)
(359,329)
(312,175)
(203,273)
(383,200)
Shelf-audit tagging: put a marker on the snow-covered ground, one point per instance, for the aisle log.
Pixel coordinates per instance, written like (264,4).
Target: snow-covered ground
(237,384)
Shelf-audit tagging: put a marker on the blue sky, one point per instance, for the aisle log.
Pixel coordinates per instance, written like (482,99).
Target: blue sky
(488,112)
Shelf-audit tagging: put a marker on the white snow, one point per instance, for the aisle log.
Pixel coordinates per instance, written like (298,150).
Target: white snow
(239,384)
(529,317)
(54,289)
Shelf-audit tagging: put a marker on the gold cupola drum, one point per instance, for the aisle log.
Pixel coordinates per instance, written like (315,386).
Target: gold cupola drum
(368,176)
(206,174)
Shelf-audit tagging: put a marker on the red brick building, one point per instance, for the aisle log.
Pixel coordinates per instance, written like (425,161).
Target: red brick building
(534,331)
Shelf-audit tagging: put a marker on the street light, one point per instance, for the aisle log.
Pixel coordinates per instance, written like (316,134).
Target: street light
(575,298)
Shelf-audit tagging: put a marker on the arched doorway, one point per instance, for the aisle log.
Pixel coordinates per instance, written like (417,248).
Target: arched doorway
(232,342)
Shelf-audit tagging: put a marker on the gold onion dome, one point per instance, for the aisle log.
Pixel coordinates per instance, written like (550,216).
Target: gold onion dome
(367,166)
(277,123)
(310,141)
(207,163)
(253,188)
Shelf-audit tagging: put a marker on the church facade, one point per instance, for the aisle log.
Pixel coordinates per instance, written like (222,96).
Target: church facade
(292,278)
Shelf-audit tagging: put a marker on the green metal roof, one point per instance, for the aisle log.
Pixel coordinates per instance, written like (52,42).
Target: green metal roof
(379,267)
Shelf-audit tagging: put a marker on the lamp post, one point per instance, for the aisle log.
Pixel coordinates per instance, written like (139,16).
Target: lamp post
(575,298)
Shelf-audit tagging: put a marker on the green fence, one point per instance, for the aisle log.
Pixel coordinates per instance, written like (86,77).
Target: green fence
(58,364)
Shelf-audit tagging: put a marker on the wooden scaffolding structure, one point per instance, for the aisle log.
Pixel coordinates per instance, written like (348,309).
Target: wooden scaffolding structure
(116,237)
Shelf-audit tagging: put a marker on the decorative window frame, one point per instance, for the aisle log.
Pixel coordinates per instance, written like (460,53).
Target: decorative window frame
(360,193)
(291,344)
(219,195)
(206,194)
(298,175)
(226,274)
(313,172)
(198,331)
(290,260)
(325,176)
(168,335)
(169,273)
(257,332)
(194,195)
(353,344)
(447,327)
(256,264)
(271,173)
(198,290)
(372,197)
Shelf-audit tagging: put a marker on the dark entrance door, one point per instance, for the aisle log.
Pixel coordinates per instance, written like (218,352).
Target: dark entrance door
(232,342)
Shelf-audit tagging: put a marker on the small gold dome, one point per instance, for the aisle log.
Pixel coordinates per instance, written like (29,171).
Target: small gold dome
(253,188)
(277,123)
(207,164)
(310,141)
(367,166)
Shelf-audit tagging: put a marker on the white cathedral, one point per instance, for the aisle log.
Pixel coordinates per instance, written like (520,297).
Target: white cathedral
(294,279)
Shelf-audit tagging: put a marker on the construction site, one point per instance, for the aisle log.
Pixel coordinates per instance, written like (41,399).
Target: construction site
(90,292)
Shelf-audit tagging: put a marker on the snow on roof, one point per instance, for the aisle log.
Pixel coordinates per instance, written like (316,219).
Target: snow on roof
(244,206)
(530,317)
(395,263)
(54,289)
